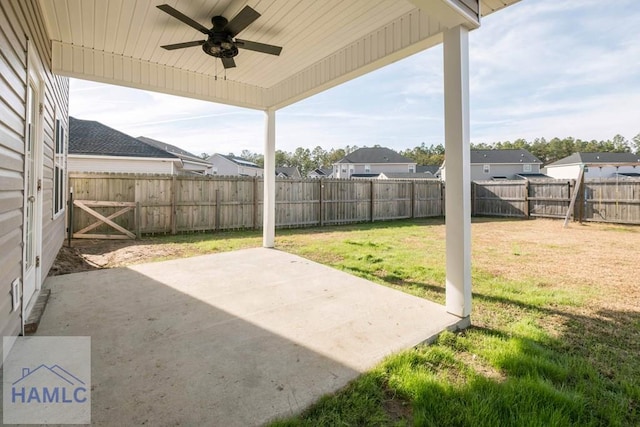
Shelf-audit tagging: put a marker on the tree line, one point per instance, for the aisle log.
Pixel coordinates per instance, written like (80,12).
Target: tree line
(548,151)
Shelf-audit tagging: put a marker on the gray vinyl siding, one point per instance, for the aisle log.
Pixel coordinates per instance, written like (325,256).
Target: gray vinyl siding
(508,170)
(21,20)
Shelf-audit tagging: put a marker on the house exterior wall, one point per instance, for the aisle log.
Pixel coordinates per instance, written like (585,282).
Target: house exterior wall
(508,170)
(108,164)
(224,166)
(22,36)
(571,171)
(345,170)
(563,171)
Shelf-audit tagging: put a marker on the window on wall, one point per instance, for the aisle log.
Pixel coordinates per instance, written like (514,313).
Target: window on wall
(526,168)
(486,168)
(367,168)
(59,193)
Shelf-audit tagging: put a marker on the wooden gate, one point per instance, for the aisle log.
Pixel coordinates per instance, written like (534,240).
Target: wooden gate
(87,205)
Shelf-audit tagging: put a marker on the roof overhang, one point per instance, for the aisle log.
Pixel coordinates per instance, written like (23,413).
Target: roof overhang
(325,43)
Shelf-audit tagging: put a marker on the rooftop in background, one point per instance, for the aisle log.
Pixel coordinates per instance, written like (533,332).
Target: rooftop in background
(170,148)
(374,155)
(432,169)
(503,157)
(288,171)
(596,158)
(93,138)
(237,160)
(533,176)
(408,175)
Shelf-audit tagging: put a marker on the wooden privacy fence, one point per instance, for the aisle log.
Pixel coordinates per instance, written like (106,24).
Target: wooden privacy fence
(173,204)
(127,205)
(602,200)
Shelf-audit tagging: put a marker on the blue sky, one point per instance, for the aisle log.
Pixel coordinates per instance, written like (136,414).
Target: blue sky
(540,68)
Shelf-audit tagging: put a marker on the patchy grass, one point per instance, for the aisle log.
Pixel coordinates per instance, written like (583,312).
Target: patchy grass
(552,342)
(556,322)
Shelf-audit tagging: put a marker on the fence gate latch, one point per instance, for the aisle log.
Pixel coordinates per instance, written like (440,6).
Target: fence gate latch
(38,261)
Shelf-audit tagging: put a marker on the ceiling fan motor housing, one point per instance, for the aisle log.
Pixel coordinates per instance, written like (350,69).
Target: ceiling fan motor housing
(220,45)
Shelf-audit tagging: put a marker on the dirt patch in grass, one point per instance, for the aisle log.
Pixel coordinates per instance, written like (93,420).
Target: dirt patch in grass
(396,408)
(86,255)
(597,259)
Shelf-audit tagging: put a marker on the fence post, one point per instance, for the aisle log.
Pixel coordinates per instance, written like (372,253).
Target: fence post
(372,201)
(473,198)
(174,207)
(255,202)
(217,209)
(321,202)
(526,198)
(70,217)
(136,219)
(413,199)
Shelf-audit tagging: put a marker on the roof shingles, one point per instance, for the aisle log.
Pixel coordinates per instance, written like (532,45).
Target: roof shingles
(503,157)
(93,138)
(369,155)
(595,158)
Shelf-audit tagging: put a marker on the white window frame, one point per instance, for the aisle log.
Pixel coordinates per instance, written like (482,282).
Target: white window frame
(412,169)
(60,140)
(367,168)
(486,169)
(526,167)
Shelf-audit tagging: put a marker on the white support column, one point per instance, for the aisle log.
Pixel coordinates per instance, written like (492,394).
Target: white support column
(458,183)
(269,198)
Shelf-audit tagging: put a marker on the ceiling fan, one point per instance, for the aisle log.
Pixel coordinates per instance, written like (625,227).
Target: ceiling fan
(221,42)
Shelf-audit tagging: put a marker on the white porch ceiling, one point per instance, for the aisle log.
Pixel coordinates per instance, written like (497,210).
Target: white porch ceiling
(325,42)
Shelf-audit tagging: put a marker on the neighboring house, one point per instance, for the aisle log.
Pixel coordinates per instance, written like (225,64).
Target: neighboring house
(321,173)
(500,164)
(288,172)
(94,147)
(372,161)
(190,162)
(406,175)
(596,165)
(33,144)
(432,169)
(233,166)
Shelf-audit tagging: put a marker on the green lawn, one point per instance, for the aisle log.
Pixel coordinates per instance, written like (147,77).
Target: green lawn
(552,342)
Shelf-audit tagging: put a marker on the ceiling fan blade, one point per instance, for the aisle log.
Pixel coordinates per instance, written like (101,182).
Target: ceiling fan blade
(182,17)
(183,45)
(242,20)
(259,47)
(228,62)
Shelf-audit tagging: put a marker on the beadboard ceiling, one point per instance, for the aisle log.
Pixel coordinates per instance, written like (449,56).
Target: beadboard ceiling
(325,42)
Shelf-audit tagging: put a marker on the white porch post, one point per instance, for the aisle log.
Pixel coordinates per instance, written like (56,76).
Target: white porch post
(269,198)
(458,183)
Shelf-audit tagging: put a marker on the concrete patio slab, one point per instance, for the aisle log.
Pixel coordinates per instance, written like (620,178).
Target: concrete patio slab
(230,339)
